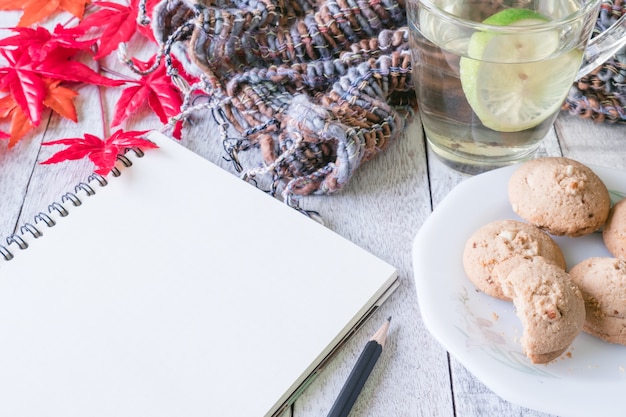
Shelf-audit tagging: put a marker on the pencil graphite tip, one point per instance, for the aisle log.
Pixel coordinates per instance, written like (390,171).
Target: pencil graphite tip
(381,335)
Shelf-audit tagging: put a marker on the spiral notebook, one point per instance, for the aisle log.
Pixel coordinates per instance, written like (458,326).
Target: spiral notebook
(174,289)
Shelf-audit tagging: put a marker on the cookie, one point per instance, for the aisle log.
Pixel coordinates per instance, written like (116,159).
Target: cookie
(614,233)
(502,240)
(559,195)
(549,305)
(602,282)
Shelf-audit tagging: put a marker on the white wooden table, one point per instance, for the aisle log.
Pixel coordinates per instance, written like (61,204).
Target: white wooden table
(381,210)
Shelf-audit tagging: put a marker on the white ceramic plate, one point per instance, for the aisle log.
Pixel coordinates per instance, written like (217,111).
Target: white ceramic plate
(483,332)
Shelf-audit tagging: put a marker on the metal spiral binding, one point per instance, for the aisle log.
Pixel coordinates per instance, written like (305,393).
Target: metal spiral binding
(56,209)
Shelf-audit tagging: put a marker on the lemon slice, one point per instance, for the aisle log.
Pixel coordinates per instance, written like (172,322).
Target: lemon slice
(511,80)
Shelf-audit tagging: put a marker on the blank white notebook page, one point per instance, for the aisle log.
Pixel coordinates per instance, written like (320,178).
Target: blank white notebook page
(176,290)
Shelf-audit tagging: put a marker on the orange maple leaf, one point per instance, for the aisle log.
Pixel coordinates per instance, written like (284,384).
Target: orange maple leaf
(20,124)
(37,10)
(60,99)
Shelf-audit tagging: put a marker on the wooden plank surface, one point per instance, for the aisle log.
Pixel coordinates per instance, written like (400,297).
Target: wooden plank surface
(381,210)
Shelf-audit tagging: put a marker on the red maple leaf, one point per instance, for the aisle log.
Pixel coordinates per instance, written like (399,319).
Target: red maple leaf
(23,78)
(103,153)
(38,10)
(39,42)
(156,89)
(58,98)
(116,23)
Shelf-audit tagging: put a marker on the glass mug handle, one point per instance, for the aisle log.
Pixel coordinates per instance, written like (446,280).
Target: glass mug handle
(603,46)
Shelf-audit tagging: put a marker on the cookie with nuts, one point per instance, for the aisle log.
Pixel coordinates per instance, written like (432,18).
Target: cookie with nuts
(497,247)
(602,281)
(559,195)
(550,306)
(614,232)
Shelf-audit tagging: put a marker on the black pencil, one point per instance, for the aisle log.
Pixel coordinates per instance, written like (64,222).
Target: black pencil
(359,374)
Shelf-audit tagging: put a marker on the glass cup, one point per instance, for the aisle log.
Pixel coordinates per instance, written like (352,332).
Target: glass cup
(491,75)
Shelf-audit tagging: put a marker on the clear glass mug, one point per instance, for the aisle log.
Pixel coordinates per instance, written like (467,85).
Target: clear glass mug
(491,75)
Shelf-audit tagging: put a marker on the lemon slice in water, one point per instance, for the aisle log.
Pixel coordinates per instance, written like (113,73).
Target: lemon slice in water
(514,81)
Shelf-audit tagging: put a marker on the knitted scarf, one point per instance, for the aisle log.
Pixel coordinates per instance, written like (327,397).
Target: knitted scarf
(317,86)
(601,96)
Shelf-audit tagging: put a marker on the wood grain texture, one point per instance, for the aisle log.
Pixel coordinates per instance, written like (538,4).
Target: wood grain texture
(381,210)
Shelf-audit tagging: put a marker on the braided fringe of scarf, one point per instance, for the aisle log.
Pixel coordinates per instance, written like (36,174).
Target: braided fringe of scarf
(318,88)
(601,96)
